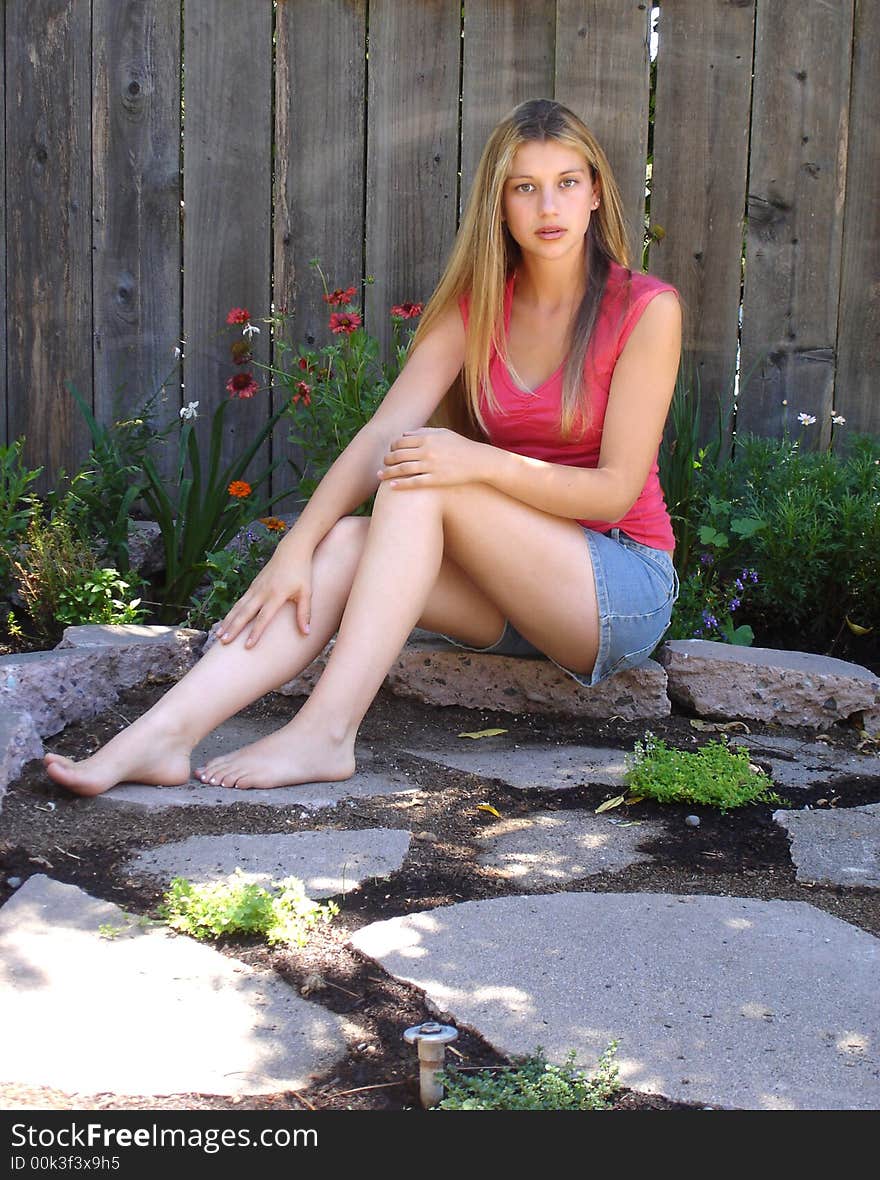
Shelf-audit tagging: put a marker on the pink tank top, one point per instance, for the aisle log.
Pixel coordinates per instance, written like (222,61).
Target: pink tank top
(527,423)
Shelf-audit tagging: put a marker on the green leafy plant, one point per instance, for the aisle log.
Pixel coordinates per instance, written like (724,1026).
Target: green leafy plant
(280,914)
(534,1084)
(100,596)
(229,572)
(16,508)
(101,494)
(714,775)
(335,390)
(52,558)
(203,507)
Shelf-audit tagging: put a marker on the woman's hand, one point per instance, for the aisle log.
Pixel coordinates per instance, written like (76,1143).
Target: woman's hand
(286,577)
(432,458)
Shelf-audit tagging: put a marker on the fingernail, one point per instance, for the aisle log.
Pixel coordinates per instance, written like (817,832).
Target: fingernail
(307,628)
(224,637)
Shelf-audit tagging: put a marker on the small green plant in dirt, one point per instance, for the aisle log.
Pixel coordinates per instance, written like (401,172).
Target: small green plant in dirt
(280,914)
(534,1084)
(100,596)
(52,559)
(335,390)
(715,775)
(16,507)
(230,572)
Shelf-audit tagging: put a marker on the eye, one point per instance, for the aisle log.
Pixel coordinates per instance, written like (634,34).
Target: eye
(526,184)
(570,181)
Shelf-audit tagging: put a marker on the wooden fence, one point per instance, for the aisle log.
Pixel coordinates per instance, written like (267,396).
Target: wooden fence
(164,162)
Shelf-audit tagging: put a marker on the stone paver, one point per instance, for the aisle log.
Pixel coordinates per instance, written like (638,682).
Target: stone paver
(366,783)
(791,687)
(145,1012)
(796,763)
(553,768)
(555,847)
(730,1001)
(328,863)
(837,846)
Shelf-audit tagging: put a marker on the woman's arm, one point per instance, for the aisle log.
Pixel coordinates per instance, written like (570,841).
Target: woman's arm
(638,402)
(427,374)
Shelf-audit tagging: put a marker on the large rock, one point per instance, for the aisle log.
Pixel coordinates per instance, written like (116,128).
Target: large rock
(146,552)
(19,743)
(790,687)
(437,674)
(82,676)
(838,846)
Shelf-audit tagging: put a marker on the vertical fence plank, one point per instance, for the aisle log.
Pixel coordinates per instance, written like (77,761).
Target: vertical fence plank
(4,431)
(698,189)
(319,169)
(857,381)
(603,74)
(509,52)
(136,187)
(412,157)
(796,187)
(227,187)
(48,228)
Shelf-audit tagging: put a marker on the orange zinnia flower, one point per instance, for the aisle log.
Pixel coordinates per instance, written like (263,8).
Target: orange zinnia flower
(340,297)
(240,488)
(273,524)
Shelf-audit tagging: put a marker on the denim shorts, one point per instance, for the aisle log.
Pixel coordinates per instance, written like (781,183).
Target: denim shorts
(636,589)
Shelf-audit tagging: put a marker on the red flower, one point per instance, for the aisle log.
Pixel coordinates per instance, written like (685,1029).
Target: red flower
(303,393)
(305,365)
(239,315)
(241,352)
(407,311)
(345,322)
(240,488)
(242,385)
(339,298)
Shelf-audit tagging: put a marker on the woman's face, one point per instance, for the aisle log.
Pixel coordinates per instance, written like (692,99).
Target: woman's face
(549,197)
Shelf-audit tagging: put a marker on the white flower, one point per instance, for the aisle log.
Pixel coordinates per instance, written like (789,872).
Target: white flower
(177,353)
(785,401)
(837,419)
(806,419)
(189,410)
(249,330)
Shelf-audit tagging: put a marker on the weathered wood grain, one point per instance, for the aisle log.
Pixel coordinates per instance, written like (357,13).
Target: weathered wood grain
(857,380)
(603,74)
(797,179)
(320,166)
(412,151)
(136,189)
(509,56)
(227,192)
(48,210)
(698,188)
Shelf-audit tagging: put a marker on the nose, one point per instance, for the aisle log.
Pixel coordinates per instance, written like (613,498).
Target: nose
(548,198)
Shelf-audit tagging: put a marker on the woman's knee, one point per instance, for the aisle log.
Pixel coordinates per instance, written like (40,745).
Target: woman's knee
(345,541)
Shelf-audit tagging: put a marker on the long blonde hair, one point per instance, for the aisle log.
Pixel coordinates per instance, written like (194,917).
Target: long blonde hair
(485,254)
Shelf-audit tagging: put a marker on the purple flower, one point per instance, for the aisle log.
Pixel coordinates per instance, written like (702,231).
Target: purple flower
(705,559)
(709,620)
(734,604)
(739,585)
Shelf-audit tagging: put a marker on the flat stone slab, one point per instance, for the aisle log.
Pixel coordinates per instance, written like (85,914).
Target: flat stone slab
(556,847)
(838,846)
(533,768)
(436,673)
(146,1011)
(19,743)
(729,1001)
(795,763)
(328,863)
(721,680)
(367,782)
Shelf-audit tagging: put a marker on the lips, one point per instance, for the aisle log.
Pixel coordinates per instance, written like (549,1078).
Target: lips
(550,231)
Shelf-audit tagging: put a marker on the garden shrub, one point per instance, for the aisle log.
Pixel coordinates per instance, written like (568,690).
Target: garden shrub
(534,1084)
(715,775)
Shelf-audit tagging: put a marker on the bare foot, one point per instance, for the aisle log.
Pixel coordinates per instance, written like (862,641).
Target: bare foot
(283,759)
(145,752)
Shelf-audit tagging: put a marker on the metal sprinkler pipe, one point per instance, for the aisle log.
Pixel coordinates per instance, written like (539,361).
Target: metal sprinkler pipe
(431,1039)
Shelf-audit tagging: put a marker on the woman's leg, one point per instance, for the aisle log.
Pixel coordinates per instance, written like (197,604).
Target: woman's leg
(157,746)
(534,567)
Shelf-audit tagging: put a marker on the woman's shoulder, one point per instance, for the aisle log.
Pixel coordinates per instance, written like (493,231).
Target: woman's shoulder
(633,285)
